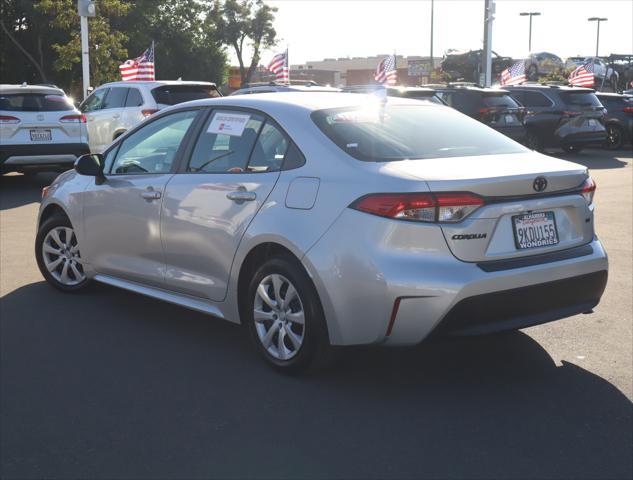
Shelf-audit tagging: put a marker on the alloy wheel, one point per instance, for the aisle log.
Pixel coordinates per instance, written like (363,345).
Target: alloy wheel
(279,317)
(614,137)
(60,252)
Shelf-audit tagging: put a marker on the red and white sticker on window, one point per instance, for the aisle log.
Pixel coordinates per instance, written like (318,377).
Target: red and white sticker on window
(228,123)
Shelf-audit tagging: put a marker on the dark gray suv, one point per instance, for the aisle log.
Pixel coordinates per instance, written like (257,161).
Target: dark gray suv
(557,116)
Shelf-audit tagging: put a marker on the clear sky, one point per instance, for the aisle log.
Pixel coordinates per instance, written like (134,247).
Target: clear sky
(316,29)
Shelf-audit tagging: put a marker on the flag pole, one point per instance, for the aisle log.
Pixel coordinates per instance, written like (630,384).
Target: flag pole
(154,54)
(288,63)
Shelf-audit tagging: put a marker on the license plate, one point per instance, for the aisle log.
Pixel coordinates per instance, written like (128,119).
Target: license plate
(593,123)
(41,135)
(533,230)
(510,119)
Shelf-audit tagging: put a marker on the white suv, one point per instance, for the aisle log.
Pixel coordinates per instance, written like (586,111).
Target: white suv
(40,129)
(115,107)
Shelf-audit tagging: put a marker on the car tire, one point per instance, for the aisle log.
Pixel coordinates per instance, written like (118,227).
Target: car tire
(614,137)
(285,318)
(572,148)
(534,142)
(58,256)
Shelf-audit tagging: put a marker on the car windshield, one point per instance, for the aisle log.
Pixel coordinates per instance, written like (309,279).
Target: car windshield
(500,101)
(382,133)
(586,99)
(173,94)
(34,102)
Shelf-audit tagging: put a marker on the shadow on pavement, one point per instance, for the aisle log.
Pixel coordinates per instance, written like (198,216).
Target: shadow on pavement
(596,159)
(110,384)
(17,189)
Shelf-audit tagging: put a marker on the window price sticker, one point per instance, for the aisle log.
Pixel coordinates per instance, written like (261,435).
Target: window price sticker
(228,124)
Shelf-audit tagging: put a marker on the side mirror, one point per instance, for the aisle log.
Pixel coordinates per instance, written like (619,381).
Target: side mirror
(91,165)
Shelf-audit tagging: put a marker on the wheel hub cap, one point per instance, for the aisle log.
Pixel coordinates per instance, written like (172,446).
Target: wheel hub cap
(60,252)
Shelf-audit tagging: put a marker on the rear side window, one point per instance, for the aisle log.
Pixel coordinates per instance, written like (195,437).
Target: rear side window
(462,101)
(115,98)
(500,101)
(34,102)
(378,133)
(269,151)
(134,98)
(584,99)
(532,99)
(226,142)
(173,94)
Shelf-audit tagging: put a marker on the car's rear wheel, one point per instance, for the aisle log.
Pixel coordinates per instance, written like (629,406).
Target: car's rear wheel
(572,148)
(58,256)
(285,318)
(614,137)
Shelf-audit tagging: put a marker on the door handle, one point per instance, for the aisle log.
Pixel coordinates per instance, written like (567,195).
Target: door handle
(241,196)
(116,115)
(151,195)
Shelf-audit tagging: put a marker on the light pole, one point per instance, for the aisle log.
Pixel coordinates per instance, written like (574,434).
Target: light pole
(85,9)
(530,14)
(432,63)
(489,16)
(597,19)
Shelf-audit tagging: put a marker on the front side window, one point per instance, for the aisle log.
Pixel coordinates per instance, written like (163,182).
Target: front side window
(115,98)
(226,142)
(379,133)
(152,148)
(94,101)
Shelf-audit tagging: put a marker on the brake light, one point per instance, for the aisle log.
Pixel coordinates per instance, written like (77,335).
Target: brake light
(73,119)
(628,109)
(588,189)
(9,119)
(149,111)
(421,207)
(571,114)
(487,109)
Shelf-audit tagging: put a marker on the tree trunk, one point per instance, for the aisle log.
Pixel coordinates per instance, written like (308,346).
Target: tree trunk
(23,50)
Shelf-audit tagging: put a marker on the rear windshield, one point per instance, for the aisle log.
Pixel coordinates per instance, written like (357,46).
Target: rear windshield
(34,102)
(586,99)
(500,101)
(379,133)
(421,95)
(173,94)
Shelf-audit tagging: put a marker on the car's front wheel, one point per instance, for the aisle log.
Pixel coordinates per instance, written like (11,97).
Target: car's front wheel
(58,256)
(285,318)
(614,137)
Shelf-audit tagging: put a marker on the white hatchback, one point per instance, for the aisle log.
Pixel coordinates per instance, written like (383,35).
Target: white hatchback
(115,107)
(40,129)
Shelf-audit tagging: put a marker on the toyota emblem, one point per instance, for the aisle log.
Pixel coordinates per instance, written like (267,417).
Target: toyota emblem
(540,184)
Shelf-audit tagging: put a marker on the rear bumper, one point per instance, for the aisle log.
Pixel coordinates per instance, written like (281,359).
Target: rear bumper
(53,155)
(584,138)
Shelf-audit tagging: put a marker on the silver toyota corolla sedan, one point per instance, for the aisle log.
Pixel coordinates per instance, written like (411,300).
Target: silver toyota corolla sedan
(328,219)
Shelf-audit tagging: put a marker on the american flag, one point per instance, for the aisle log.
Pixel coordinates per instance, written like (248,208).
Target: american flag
(279,66)
(140,68)
(386,71)
(514,74)
(582,76)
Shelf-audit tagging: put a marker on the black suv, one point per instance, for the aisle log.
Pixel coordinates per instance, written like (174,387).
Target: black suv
(566,117)
(417,93)
(619,120)
(492,106)
(466,66)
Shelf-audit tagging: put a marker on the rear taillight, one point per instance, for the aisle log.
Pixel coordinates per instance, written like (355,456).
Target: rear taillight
(148,112)
(73,119)
(420,207)
(9,119)
(588,189)
(571,114)
(628,109)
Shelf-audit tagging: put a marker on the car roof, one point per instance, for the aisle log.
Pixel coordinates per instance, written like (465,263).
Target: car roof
(288,88)
(615,95)
(6,88)
(470,88)
(564,88)
(155,83)
(308,101)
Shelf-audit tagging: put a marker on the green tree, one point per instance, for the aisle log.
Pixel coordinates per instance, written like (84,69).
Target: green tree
(244,24)
(106,44)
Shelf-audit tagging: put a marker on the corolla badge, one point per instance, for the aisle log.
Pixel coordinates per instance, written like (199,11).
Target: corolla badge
(540,184)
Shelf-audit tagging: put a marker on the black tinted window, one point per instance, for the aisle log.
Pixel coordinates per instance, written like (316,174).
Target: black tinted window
(462,101)
(294,158)
(269,151)
(400,132)
(500,101)
(134,98)
(173,94)
(226,142)
(586,99)
(115,98)
(34,102)
(533,99)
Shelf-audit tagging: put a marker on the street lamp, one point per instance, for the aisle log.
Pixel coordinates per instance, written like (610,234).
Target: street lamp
(597,19)
(530,14)
(85,9)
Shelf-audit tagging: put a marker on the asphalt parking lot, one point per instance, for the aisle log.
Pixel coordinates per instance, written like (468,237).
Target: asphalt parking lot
(110,384)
